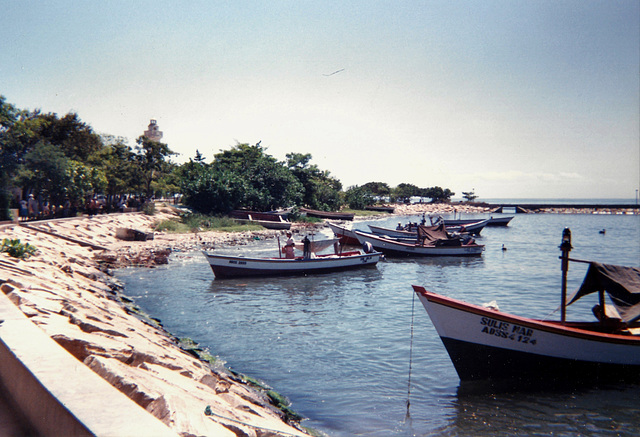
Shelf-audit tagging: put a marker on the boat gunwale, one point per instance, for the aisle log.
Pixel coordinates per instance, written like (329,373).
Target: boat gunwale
(552,327)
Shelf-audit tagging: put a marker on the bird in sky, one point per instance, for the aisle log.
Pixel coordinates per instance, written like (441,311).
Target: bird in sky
(335,72)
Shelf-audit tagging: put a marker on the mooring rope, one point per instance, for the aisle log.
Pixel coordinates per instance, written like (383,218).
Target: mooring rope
(413,300)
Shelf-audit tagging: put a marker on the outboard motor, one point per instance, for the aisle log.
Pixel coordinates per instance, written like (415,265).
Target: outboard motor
(367,247)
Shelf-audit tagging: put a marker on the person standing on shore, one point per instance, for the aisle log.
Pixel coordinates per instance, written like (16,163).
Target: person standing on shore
(33,207)
(24,210)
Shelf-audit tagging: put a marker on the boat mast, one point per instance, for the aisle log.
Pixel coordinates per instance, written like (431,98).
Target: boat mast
(565,247)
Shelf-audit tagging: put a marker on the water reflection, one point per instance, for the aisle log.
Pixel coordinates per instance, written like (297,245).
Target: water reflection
(609,410)
(291,285)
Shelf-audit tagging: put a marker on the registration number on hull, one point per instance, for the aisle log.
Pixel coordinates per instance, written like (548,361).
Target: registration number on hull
(507,331)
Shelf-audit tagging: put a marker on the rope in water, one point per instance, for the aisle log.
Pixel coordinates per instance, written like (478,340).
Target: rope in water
(413,300)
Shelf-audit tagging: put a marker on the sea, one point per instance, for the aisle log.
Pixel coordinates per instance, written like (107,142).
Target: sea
(355,352)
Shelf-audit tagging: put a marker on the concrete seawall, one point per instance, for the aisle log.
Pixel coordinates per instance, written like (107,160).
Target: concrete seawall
(77,360)
(56,393)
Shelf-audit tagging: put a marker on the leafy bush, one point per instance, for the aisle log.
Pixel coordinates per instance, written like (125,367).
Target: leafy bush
(149,208)
(17,249)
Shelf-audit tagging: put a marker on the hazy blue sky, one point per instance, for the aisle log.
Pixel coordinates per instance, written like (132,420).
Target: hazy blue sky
(513,98)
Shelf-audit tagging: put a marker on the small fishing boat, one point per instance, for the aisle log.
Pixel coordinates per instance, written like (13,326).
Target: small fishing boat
(486,344)
(346,236)
(381,208)
(492,221)
(269,220)
(410,231)
(327,214)
(430,241)
(227,266)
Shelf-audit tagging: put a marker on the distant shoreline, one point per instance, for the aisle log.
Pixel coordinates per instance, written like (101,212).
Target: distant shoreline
(486,208)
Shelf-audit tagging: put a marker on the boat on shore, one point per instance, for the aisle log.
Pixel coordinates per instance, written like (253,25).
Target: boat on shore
(226,266)
(381,208)
(269,220)
(430,241)
(485,344)
(327,214)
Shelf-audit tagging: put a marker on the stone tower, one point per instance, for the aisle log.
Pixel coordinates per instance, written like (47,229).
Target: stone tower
(153,132)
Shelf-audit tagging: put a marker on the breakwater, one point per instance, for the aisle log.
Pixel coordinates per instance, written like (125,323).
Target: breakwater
(66,291)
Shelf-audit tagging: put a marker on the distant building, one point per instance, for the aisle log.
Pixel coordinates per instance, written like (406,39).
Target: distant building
(153,132)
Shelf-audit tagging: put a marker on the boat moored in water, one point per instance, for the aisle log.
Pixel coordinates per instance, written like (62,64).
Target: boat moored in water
(430,241)
(410,230)
(488,345)
(229,266)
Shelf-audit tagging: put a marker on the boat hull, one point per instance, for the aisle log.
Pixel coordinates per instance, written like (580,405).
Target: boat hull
(473,228)
(346,236)
(398,248)
(268,224)
(489,345)
(327,214)
(234,266)
(493,221)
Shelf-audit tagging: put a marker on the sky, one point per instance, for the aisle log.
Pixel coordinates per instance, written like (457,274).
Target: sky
(506,98)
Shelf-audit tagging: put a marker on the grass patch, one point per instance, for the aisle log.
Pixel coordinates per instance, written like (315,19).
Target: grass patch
(361,212)
(202,223)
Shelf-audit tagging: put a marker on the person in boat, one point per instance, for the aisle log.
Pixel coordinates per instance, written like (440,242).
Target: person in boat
(399,227)
(307,248)
(289,247)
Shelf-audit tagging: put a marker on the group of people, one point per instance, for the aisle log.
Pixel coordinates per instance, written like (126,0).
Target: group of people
(32,208)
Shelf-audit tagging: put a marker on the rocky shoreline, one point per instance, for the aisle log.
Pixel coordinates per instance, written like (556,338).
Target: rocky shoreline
(67,291)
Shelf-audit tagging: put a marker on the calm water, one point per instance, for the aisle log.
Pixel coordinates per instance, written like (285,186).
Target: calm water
(338,345)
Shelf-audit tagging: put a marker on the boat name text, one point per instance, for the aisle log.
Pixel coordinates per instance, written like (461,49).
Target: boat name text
(507,331)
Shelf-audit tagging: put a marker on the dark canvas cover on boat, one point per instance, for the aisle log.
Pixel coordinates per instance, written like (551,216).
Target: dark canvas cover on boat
(429,235)
(622,284)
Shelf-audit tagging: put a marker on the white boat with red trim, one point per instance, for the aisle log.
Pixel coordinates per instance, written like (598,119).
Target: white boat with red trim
(486,344)
(410,231)
(226,266)
(430,241)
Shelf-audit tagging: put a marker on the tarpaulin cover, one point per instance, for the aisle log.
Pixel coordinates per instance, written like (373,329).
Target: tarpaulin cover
(622,284)
(432,235)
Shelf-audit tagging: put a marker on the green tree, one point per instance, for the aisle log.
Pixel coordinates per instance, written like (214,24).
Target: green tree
(208,190)
(358,197)
(321,191)
(469,196)
(267,183)
(44,171)
(82,181)
(74,137)
(378,189)
(438,194)
(117,161)
(150,158)
(403,192)
(18,135)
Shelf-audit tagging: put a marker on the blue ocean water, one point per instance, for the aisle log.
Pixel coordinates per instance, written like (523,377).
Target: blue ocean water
(338,345)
